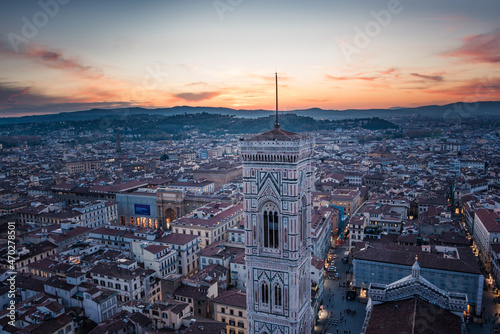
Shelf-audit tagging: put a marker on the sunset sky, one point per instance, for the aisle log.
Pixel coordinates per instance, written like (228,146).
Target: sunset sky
(67,55)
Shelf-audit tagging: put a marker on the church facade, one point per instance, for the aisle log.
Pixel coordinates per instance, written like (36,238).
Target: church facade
(277,213)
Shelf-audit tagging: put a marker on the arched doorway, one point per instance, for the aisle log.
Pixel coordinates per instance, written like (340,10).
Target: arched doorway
(170,216)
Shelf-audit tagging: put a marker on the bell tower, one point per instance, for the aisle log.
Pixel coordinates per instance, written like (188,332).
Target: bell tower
(277,206)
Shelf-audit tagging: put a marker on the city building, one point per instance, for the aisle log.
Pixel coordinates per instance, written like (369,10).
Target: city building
(486,232)
(220,253)
(219,173)
(195,187)
(357,224)
(84,166)
(321,227)
(128,279)
(122,237)
(165,314)
(27,254)
(449,268)
(100,303)
(40,314)
(230,307)
(187,247)
(86,214)
(236,234)
(160,258)
(138,208)
(349,199)
(210,222)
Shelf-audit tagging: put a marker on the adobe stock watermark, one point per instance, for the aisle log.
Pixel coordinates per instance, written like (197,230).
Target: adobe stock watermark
(364,36)
(11,281)
(223,6)
(31,27)
(461,111)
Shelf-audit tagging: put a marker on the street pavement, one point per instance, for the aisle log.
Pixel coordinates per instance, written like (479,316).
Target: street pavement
(491,322)
(335,317)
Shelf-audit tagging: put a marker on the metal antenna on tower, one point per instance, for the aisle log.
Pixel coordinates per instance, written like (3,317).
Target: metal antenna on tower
(277,124)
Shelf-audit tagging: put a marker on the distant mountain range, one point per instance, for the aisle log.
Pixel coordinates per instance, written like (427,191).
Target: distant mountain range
(482,110)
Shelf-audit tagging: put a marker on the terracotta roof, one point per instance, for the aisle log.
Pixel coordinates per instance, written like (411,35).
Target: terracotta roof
(405,255)
(211,221)
(112,270)
(407,316)
(218,249)
(59,283)
(49,326)
(108,231)
(177,238)
(141,319)
(155,249)
(317,263)
(28,282)
(190,291)
(232,298)
(490,219)
(205,326)
(276,134)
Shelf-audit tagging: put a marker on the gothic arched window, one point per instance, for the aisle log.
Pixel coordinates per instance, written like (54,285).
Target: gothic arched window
(303,227)
(277,295)
(271,226)
(264,293)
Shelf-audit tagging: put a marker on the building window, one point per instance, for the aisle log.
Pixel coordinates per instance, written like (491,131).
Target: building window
(277,295)
(303,220)
(265,293)
(271,228)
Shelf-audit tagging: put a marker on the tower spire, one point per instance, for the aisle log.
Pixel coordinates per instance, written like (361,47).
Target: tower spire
(277,124)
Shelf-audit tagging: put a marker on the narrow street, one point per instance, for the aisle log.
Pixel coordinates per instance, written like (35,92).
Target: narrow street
(339,315)
(491,315)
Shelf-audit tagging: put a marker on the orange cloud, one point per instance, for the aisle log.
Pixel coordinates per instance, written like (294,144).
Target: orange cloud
(482,48)
(51,58)
(195,97)
(436,78)
(475,89)
(388,71)
(331,77)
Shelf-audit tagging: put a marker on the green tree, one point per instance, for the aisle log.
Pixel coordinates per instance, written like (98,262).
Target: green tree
(164,157)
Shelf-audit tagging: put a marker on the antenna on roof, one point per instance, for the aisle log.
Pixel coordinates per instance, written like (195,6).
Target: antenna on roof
(277,124)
